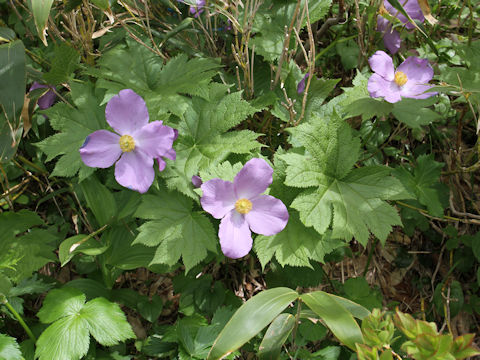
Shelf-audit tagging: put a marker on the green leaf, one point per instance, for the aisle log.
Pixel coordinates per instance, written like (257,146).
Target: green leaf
(335,317)
(368,108)
(40,10)
(106,322)
(12,94)
(161,86)
(176,229)
(60,303)
(73,320)
(348,51)
(73,126)
(352,202)
(250,319)
(296,245)
(150,309)
(65,61)
(414,113)
(204,139)
(424,182)
(99,199)
(79,244)
(66,339)
(9,349)
(276,335)
(270,22)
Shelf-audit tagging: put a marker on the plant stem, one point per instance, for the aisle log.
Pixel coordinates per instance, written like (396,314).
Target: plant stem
(370,254)
(20,320)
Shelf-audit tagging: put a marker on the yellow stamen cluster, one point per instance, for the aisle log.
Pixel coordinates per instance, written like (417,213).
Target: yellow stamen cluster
(400,78)
(243,206)
(127,143)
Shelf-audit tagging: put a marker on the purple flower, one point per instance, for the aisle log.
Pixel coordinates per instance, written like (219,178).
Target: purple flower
(242,208)
(196,181)
(410,80)
(137,142)
(301,84)
(45,101)
(198,8)
(391,38)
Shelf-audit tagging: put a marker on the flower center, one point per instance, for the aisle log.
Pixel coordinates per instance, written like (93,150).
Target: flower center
(400,78)
(127,143)
(243,206)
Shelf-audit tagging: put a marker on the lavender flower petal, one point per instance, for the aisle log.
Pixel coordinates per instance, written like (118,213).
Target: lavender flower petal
(391,40)
(268,216)
(235,236)
(218,197)
(154,139)
(196,181)
(417,70)
(135,171)
(301,84)
(45,101)
(382,64)
(254,178)
(379,87)
(126,112)
(101,149)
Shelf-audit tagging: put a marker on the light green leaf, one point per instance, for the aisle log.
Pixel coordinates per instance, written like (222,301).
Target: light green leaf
(368,108)
(74,125)
(106,322)
(204,139)
(65,60)
(275,336)
(73,320)
(60,303)
(296,245)
(250,319)
(66,339)
(41,10)
(9,349)
(414,113)
(161,86)
(335,316)
(352,202)
(424,182)
(99,199)
(177,232)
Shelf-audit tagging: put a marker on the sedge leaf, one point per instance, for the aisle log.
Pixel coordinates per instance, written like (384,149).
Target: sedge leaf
(250,319)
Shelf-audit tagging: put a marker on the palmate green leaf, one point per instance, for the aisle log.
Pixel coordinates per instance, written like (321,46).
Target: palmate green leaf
(424,182)
(20,256)
(65,61)
(204,138)
(9,349)
(250,319)
(414,113)
(73,126)
(176,230)
(73,320)
(106,322)
(352,202)
(160,85)
(296,245)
